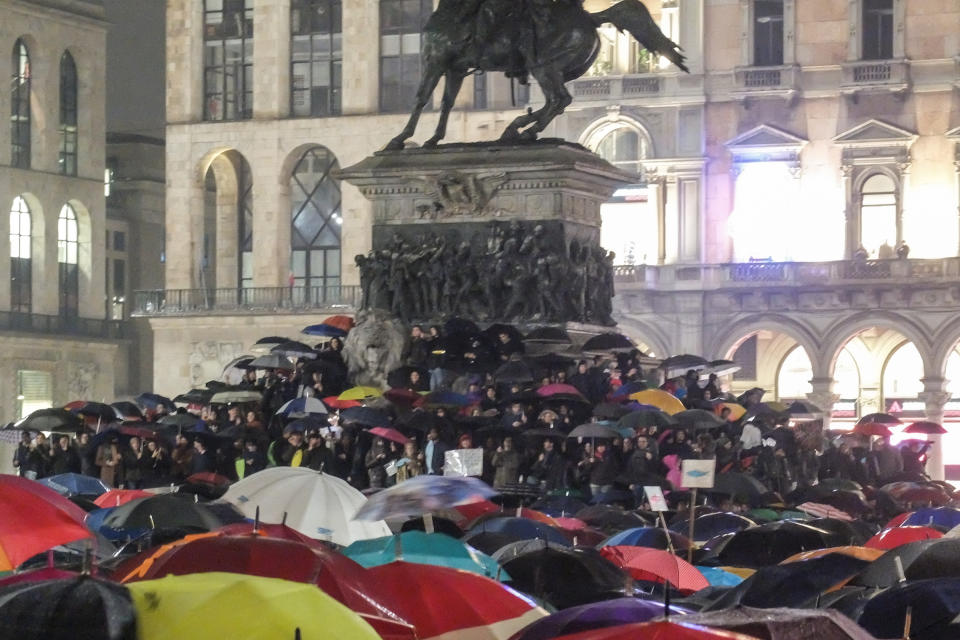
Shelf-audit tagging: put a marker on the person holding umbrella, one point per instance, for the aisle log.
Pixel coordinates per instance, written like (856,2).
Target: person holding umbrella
(64,457)
(550,468)
(317,456)
(377,459)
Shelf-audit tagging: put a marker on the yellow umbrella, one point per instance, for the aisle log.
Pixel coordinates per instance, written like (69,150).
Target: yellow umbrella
(737,411)
(659,399)
(360,393)
(202,606)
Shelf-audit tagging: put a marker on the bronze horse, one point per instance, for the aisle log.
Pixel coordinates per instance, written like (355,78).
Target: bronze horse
(555,41)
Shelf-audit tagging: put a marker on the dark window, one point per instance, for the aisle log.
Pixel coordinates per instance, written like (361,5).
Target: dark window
(228,59)
(401,22)
(746,357)
(767,33)
(119,277)
(119,241)
(877,29)
(316,221)
(68,115)
(316,51)
(20,107)
(480,90)
(20,251)
(245,223)
(68,244)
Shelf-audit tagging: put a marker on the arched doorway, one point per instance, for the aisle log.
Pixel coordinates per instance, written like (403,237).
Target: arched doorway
(226,251)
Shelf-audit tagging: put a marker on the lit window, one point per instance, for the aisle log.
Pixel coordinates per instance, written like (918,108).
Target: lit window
(228,59)
(68,115)
(878,216)
(20,252)
(316,57)
(34,392)
(68,244)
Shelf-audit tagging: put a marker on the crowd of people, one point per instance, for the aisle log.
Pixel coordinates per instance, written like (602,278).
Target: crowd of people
(434,407)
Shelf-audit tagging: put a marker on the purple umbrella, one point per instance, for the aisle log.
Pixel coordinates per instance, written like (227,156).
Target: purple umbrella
(597,615)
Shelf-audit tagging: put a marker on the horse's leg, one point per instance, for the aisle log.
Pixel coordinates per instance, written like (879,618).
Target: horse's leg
(451,87)
(431,76)
(551,82)
(512,132)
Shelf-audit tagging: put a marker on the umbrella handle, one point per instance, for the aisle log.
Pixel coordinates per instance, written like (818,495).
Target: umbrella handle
(428,523)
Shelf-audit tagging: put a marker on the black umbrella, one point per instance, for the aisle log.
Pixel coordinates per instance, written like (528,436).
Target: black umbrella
(513,372)
(772,543)
(294,349)
(102,412)
(844,533)
(879,418)
(194,396)
(418,420)
(460,325)
(493,332)
(548,335)
(440,525)
(711,525)
(697,420)
(563,577)
(781,623)
(559,506)
(934,604)
(127,410)
(365,416)
(610,411)
(921,560)
(679,365)
(168,510)
(543,433)
(55,420)
(67,609)
(743,485)
(272,340)
(722,367)
(552,361)
(593,430)
(647,418)
(610,519)
(488,541)
(797,584)
(803,410)
(608,342)
(180,420)
(272,361)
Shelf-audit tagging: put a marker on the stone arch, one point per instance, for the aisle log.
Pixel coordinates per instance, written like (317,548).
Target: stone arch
(226,181)
(727,340)
(597,131)
(843,330)
(944,341)
(647,333)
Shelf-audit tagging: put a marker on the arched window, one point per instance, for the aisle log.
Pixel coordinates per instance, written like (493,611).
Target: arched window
(228,59)
(316,53)
(20,267)
(68,249)
(316,219)
(879,223)
(68,115)
(624,148)
(20,107)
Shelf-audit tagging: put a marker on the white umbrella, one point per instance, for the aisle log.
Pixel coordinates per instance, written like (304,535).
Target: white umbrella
(316,504)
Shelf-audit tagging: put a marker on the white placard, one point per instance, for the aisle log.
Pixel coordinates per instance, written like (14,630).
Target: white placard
(698,474)
(463,462)
(656,499)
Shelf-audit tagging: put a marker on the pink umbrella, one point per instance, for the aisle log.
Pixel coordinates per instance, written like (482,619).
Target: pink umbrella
(558,388)
(389,434)
(824,511)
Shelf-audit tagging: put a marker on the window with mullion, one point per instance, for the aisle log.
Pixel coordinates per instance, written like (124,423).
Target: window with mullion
(767,33)
(877,36)
(316,52)
(228,59)
(68,252)
(68,115)
(401,22)
(20,107)
(21,290)
(315,218)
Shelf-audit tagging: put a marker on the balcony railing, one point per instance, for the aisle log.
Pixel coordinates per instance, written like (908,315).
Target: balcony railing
(782,80)
(892,75)
(176,302)
(61,326)
(786,274)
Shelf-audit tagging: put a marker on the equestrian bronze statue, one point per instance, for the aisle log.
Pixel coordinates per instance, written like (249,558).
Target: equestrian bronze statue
(555,41)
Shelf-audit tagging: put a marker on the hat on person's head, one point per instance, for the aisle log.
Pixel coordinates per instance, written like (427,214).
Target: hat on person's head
(548,415)
(466,437)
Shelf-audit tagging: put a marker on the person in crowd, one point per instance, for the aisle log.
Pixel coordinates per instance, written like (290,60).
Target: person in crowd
(154,464)
(410,465)
(549,469)
(130,459)
(318,456)
(913,454)
(289,451)
(885,461)
(64,457)
(203,460)
(434,453)
(506,461)
(418,348)
(251,459)
(377,459)
(181,458)
(603,469)
(417,383)
(514,418)
(110,461)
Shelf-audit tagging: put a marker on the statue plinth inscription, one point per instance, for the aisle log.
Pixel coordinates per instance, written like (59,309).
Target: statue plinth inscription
(489,230)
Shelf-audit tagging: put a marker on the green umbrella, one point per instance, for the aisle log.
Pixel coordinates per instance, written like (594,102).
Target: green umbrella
(424,548)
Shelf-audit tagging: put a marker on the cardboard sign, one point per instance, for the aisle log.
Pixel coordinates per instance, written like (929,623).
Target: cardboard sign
(463,462)
(698,474)
(655,498)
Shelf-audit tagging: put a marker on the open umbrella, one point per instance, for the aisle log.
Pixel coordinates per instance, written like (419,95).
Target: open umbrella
(741,485)
(154,400)
(596,615)
(360,393)
(423,548)
(117,497)
(194,396)
(650,537)
(882,418)
(548,335)
(55,420)
(519,529)
(934,604)
(593,430)
(678,365)
(513,372)
(448,399)
(872,429)
(271,361)
(324,331)
(316,504)
(300,407)
(73,484)
(946,517)
(448,603)
(610,519)
(824,511)
(697,419)
(608,343)
(721,367)
(98,412)
(627,389)
(861,553)
(890,538)
(803,410)
(660,399)
(166,511)
(782,623)
(557,389)
(925,427)
(423,494)
(180,420)
(651,417)
(711,525)
(365,416)
(67,609)
(128,411)
(657,630)
(295,350)
(237,396)
(656,565)
(389,434)
(230,605)
(771,543)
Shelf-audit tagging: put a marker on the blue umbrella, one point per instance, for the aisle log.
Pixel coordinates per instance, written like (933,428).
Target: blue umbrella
(652,537)
(421,495)
(597,615)
(94,522)
(628,388)
(946,517)
(324,330)
(935,605)
(556,506)
(719,578)
(424,548)
(304,405)
(521,529)
(72,484)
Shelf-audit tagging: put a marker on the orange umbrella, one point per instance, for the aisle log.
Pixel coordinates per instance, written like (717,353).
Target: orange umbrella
(344,323)
(862,553)
(737,411)
(117,497)
(659,399)
(656,565)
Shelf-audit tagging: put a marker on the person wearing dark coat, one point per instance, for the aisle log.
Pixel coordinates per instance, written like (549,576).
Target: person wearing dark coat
(434,453)
(64,458)
(550,468)
(318,457)
(203,460)
(604,469)
(418,349)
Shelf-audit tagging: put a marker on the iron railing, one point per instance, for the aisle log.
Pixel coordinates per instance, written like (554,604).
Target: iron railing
(61,325)
(161,302)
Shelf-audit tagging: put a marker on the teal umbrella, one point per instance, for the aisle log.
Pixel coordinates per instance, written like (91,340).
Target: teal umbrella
(424,548)
(717,577)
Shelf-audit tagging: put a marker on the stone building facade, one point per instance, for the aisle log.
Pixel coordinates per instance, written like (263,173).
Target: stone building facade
(804,132)
(56,343)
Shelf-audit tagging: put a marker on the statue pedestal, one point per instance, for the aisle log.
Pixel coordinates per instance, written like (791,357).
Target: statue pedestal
(488,231)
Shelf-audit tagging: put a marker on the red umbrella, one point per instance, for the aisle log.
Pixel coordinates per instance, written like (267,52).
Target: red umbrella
(663,630)
(448,601)
(336,403)
(208,477)
(898,520)
(389,434)
(655,565)
(402,397)
(926,427)
(872,429)
(558,388)
(34,518)
(344,323)
(474,510)
(37,575)
(891,538)
(570,524)
(117,497)
(279,531)
(523,512)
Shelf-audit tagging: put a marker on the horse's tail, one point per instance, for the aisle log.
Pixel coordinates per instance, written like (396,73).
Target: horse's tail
(633,16)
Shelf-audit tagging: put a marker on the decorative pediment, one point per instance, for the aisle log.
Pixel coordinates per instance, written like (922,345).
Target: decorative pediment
(953,134)
(765,143)
(875,133)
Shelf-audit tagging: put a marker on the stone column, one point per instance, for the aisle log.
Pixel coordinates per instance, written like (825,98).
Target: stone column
(935,397)
(361,46)
(850,214)
(870,399)
(184,44)
(184,204)
(691,33)
(671,221)
(271,50)
(824,397)
(271,226)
